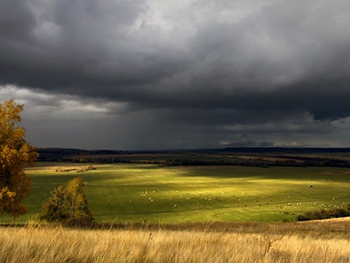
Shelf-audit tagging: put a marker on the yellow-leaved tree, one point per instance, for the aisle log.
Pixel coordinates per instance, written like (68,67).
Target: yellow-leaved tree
(15,152)
(68,205)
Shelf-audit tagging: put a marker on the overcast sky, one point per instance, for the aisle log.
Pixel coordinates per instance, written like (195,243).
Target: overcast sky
(155,74)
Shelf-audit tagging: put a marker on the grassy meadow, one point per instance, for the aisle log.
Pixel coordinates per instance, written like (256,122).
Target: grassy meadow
(129,193)
(207,214)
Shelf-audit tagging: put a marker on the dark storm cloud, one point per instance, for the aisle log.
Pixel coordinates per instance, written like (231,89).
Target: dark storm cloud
(204,64)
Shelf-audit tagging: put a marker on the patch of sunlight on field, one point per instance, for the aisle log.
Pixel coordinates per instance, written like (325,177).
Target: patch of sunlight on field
(138,192)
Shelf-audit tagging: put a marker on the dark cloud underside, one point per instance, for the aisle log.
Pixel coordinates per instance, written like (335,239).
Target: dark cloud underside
(197,72)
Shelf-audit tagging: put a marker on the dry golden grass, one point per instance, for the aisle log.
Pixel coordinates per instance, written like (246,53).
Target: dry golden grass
(323,241)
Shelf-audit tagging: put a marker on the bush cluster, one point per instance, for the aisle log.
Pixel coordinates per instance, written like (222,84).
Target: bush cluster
(325,214)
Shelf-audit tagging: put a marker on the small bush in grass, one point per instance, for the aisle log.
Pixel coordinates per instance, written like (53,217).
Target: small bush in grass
(68,205)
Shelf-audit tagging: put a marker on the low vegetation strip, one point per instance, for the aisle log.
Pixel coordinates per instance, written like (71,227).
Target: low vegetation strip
(324,214)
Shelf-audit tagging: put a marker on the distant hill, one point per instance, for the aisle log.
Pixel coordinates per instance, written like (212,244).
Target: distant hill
(285,150)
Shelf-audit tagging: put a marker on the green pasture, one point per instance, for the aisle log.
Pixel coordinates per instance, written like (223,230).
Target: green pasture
(149,193)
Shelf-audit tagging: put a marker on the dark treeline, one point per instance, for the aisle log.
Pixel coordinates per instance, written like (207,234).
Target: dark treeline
(258,157)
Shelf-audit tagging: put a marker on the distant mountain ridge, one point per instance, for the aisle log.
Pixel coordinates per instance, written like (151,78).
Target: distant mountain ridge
(286,150)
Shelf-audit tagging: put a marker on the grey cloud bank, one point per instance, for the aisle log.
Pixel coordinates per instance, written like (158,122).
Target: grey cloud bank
(178,74)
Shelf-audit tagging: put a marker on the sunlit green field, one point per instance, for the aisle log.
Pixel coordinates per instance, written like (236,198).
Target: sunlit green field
(149,193)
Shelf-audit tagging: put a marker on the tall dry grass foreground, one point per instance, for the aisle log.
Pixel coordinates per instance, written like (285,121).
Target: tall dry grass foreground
(44,244)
